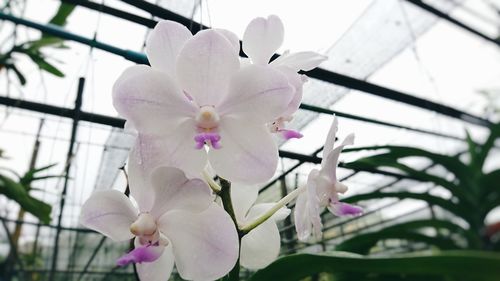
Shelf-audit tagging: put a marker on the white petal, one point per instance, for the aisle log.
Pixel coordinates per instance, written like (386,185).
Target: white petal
(330,139)
(300,61)
(150,100)
(257,92)
(260,246)
(205,66)
(173,191)
(243,197)
(262,38)
(297,82)
(205,244)
(164,44)
(331,162)
(109,212)
(143,158)
(261,208)
(231,37)
(248,154)
(158,270)
(176,150)
(303,224)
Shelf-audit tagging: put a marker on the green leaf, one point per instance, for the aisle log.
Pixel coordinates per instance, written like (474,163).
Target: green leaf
(434,200)
(17,192)
(62,14)
(411,231)
(43,42)
(452,265)
(38,58)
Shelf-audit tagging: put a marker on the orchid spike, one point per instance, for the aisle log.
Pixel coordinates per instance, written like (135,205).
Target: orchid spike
(262,38)
(197,100)
(172,212)
(323,188)
(262,244)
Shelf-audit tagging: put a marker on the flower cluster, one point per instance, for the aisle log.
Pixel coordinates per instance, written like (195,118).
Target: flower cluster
(200,110)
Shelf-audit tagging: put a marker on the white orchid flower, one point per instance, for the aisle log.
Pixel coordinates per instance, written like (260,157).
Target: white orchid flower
(323,188)
(176,221)
(262,38)
(196,99)
(262,244)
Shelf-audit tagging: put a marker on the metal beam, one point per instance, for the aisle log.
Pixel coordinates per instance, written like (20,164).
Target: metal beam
(452,20)
(69,161)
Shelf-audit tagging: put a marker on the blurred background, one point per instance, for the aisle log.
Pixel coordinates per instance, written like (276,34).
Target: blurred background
(419,78)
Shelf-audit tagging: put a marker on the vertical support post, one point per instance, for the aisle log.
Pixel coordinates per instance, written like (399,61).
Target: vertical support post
(69,159)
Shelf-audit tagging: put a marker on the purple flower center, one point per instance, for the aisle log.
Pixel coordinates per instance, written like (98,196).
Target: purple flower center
(209,138)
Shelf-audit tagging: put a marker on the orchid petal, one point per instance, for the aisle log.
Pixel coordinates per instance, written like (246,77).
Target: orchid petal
(231,37)
(164,44)
(302,219)
(330,140)
(243,198)
(140,254)
(257,92)
(290,134)
(205,66)
(343,209)
(248,153)
(180,150)
(109,212)
(159,270)
(300,61)
(260,246)
(173,191)
(262,38)
(150,100)
(205,244)
(330,164)
(314,196)
(297,82)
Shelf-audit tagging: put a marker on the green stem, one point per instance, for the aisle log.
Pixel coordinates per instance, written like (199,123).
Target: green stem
(225,194)
(262,218)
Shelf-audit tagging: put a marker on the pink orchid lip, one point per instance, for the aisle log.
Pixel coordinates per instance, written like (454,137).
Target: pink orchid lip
(209,138)
(344,209)
(290,134)
(144,253)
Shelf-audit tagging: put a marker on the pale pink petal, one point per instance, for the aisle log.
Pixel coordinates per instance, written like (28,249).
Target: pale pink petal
(173,191)
(257,92)
(248,153)
(302,219)
(177,150)
(330,164)
(150,100)
(141,254)
(343,209)
(262,38)
(205,66)
(297,81)
(300,61)
(243,197)
(205,244)
(330,139)
(109,212)
(158,270)
(231,37)
(260,246)
(313,205)
(164,44)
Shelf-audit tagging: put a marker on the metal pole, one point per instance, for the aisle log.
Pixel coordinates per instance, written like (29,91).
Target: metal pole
(69,160)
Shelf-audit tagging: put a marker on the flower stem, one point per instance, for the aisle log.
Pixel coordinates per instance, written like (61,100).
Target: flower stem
(280,204)
(225,195)
(213,185)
